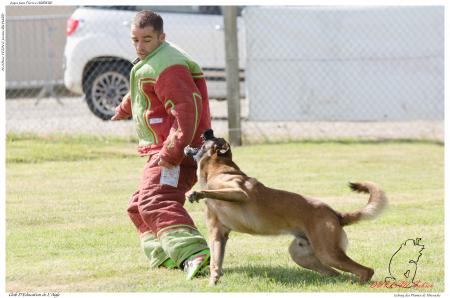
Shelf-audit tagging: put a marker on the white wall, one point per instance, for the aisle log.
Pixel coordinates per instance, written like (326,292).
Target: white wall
(35,39)
(345,63)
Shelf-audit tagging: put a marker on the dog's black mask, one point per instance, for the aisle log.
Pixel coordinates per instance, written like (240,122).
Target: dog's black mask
(208,135)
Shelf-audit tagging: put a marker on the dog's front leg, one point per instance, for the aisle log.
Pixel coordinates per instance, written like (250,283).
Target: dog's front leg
(224,194)
(194,196)
(218,236)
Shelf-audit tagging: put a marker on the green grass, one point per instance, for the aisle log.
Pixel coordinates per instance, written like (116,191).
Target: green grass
(67,229)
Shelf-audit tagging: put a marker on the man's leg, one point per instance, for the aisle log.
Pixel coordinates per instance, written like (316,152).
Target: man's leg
(161,208)
(149,243)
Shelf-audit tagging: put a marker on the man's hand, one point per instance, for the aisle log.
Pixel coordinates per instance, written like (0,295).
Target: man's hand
(121,109)
(165,164)
(116,117)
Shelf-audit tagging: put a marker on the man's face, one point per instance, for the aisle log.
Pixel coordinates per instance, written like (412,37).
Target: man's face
(145,40)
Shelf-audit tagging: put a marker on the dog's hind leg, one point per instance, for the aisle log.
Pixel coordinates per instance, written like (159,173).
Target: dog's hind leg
(344,241)
(338,259)
(302,254)
(218,236)
(329,243)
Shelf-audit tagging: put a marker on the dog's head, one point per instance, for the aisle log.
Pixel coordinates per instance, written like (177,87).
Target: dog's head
(212,146)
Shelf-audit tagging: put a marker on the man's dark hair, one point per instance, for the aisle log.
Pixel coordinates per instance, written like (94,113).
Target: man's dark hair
(149,18)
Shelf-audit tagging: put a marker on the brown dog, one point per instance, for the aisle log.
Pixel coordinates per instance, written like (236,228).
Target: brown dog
(237,202)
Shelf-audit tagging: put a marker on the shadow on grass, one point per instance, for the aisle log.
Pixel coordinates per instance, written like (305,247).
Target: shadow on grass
(290,276)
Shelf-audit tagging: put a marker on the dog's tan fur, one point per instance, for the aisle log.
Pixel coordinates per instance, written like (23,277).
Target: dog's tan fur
(240,203)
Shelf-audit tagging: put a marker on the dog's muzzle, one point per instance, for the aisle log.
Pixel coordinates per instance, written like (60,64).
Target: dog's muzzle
(189,151)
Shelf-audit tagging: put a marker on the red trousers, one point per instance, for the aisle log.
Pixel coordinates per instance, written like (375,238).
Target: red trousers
(156,206)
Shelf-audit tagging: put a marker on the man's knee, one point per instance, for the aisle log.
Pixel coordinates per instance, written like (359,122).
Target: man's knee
(151,201)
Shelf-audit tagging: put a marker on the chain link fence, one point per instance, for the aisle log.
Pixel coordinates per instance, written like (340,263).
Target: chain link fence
(305,72)
(34,55)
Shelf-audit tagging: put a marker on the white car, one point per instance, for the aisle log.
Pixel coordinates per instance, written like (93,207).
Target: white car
(98,51)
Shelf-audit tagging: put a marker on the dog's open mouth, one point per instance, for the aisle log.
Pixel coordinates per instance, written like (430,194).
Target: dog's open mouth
(189,151)
(197,153)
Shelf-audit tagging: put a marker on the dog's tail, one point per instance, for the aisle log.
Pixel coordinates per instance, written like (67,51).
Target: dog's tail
(377,202)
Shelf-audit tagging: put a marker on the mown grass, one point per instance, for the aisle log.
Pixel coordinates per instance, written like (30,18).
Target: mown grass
(67,229)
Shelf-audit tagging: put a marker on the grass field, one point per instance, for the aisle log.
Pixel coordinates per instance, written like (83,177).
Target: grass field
(67,229)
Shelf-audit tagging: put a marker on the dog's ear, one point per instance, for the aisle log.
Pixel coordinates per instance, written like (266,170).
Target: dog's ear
(224,148)
(221,147)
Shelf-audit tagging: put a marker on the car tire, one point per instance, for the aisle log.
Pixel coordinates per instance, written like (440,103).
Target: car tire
(105,87)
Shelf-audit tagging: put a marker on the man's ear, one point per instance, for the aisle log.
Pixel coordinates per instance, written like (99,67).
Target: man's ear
(162,37)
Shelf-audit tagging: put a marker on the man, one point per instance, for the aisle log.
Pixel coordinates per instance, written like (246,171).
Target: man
(168,101)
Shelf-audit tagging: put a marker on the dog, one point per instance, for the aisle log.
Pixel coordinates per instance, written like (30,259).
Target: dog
(237,202)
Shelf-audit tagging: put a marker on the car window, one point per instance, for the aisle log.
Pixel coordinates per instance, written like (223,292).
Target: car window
(209,10)
(184,9)
(121,7)
(164,8)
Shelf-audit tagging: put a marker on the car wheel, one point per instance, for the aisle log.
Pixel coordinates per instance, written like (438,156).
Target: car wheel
(105,87)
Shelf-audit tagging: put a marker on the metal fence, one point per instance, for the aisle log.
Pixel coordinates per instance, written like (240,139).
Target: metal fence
(305,72)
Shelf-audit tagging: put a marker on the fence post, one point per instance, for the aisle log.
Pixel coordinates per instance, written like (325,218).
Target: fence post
(232,75)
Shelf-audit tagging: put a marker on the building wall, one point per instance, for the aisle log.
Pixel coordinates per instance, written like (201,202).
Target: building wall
(345,63)
(35,39)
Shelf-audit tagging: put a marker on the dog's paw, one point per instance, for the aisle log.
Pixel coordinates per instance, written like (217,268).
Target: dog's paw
(213,280)
(193,196)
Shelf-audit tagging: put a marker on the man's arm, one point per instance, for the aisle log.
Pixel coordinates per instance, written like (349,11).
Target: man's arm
(178,93)
(123,111)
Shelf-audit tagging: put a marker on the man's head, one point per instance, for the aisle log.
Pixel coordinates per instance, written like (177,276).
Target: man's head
(147,32)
